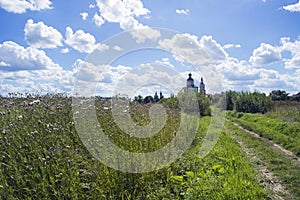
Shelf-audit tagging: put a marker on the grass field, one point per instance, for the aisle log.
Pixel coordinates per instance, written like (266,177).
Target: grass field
(42,157)
(281,132)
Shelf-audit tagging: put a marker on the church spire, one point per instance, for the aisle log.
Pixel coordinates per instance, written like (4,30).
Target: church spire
(202,87)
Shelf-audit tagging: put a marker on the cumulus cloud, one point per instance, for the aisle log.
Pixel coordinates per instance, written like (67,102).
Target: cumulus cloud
(266,54)
(84,15)
(294,62)
(229,46)
(117,48)
(269,80)
(3,64)
(103,78)
(37,81)
(17,57)
(294,48)
(184,12)
(98,20)
(65,50)
(293,7)
(189,48)
(125,13)
(236,70)
(39,35)
(86,71)
(82,42)
(21,6)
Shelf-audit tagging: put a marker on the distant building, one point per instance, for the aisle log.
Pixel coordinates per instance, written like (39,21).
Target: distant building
(202,87)
(190,86)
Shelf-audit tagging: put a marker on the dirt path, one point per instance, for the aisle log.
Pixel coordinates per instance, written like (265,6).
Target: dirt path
(270,142)
(266,177)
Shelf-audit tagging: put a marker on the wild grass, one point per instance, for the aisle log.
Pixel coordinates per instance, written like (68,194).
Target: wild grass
(42,157)
(285,110)
(284,168)
(286,134)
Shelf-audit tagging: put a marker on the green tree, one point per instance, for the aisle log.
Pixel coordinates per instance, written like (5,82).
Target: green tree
(278,95)
(251,102)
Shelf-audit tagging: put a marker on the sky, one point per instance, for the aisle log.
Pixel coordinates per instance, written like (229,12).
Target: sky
(102,46)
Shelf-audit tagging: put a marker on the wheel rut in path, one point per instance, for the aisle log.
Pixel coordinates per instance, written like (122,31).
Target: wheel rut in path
(270,142)
(266,177)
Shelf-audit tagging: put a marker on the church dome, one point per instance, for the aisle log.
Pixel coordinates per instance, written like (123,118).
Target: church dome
(190,77)
(190,81)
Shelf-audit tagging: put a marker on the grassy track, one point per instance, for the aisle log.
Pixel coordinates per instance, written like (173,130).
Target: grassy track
(278,163)
(285,134)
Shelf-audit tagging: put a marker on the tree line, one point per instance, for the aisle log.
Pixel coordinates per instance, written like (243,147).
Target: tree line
(254,102)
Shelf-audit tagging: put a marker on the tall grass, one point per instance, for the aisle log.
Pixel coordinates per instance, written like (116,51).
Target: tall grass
(281,132)
(42,157)
(285,110)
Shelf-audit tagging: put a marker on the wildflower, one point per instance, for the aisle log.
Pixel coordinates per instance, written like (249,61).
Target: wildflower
(6,131)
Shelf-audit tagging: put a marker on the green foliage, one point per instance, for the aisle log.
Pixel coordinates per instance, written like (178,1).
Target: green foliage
(248,102)
(251,102)
(188,99)
(42,157)
(283,133)
(278,95)
(284,168)
(285,110)
(230,99)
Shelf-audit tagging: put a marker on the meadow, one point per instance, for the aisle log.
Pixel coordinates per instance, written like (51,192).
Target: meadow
(42,157)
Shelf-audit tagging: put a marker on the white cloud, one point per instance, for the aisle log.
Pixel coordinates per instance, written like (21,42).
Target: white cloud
(266,54)
(184,12)
(294,48)
(103,78)
(80,41)
(229,46)
(98,20)
(186,47)
(17,58)
(91,6)
(269,80)
(165,62)
(39,35)
(3,64)
(293,7)
(38,81)
(235,70)
(117,48)
(21,6)
(84,15)
(124,13)
(294,62)
(65,50)
(86,71)
(101,47)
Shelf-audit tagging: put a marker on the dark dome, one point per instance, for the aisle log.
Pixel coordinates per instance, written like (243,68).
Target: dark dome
(190,77)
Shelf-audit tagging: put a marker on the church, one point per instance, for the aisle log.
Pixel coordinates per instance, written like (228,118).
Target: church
(190,86)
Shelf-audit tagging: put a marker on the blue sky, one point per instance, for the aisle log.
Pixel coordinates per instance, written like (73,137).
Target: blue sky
(253,44)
